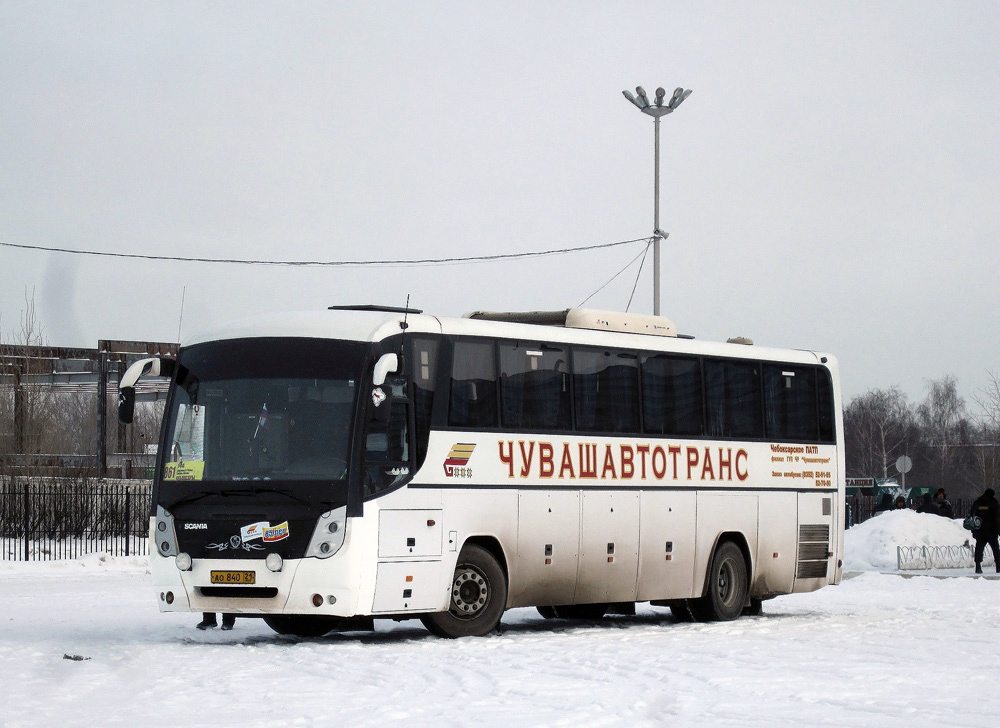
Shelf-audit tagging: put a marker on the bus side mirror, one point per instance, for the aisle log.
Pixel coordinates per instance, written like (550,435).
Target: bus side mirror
(126,405)
(154,367)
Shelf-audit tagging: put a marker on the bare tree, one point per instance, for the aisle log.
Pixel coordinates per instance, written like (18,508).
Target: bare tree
(26,408)
(945,429)
(988,453)
(877,427)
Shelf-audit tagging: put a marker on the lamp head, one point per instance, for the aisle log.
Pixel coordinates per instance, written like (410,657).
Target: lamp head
(678,97)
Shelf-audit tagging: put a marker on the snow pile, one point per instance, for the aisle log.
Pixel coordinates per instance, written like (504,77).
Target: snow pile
(871,546)
(98,562)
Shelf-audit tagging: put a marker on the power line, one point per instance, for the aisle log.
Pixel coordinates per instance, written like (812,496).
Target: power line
(642,253)
(332,263)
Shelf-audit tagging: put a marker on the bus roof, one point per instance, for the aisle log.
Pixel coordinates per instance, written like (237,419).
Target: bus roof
(372,323)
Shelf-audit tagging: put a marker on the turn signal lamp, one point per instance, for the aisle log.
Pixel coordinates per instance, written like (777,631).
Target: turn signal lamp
(329,534)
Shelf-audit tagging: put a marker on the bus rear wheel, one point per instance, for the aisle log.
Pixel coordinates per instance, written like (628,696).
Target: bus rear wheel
(726,592)
(478,597)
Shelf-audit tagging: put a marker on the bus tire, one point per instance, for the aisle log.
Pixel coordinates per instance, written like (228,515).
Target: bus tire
(547,612)
(478,597)
(726,590)
(300,625)
(581,611)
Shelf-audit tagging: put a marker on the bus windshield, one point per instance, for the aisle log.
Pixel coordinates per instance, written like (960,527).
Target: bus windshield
(263,409)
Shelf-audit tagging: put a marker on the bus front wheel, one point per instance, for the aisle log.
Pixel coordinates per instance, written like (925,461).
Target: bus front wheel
(727,586)
(478,597)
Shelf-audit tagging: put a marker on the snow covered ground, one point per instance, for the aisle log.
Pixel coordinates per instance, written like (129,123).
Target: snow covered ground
(82,644)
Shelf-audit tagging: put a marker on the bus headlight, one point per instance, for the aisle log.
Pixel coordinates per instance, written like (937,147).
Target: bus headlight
(329,534)
(166,536)
(183,561)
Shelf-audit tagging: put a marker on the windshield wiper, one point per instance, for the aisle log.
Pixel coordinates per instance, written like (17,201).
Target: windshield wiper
(231,492)
(191,498)
(279,491)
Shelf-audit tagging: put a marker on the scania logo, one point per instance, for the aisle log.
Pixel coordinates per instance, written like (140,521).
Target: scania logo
(195,526)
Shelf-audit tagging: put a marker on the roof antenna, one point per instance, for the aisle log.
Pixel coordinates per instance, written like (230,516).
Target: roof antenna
(181,320)
(404,326)
(406,312)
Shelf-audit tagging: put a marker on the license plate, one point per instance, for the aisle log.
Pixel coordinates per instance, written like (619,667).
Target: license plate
(234,577)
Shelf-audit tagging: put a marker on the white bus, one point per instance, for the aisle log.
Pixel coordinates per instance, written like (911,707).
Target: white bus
(325,469)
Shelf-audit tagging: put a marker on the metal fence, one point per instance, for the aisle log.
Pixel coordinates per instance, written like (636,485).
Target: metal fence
(939,557)
(65,518)
(859,508)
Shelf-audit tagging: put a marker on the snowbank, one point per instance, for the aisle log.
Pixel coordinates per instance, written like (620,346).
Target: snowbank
(97,562)
(871,546)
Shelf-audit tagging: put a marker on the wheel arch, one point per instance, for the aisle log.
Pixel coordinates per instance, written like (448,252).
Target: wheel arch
(491,544)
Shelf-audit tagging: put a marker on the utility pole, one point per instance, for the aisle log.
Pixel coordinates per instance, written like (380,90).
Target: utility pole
(656,110)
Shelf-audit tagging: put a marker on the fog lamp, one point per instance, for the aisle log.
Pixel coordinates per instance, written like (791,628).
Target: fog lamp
(273,562)
(317,600)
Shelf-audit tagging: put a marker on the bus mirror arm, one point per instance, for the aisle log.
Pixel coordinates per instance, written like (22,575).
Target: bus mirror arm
(153,367)
(387,363)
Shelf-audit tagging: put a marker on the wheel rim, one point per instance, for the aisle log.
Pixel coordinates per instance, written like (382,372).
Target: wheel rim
(726,584)
(470,593)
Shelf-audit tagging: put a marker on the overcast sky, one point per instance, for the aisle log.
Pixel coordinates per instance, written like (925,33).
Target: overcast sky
(832,183)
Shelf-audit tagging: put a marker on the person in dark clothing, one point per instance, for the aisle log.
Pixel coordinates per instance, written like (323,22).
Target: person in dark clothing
(208,621)
(900,502)
(987,507)
(943,504)
(927,504)
(885,504)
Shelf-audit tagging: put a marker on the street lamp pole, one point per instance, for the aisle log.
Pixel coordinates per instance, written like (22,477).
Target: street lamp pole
(656,110)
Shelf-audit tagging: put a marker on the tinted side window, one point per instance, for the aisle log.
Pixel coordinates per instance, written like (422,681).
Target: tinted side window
(606,390)
(672,395)
(732,395)
(387,451)
(424,364)
(790,402)
(534,387)
(824,397)
(473,397)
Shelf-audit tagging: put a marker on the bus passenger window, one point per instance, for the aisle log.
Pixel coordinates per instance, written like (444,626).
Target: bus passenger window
(732,393)
(534,387)
(790,402)
(672,395)
(606,391)
(473,397)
